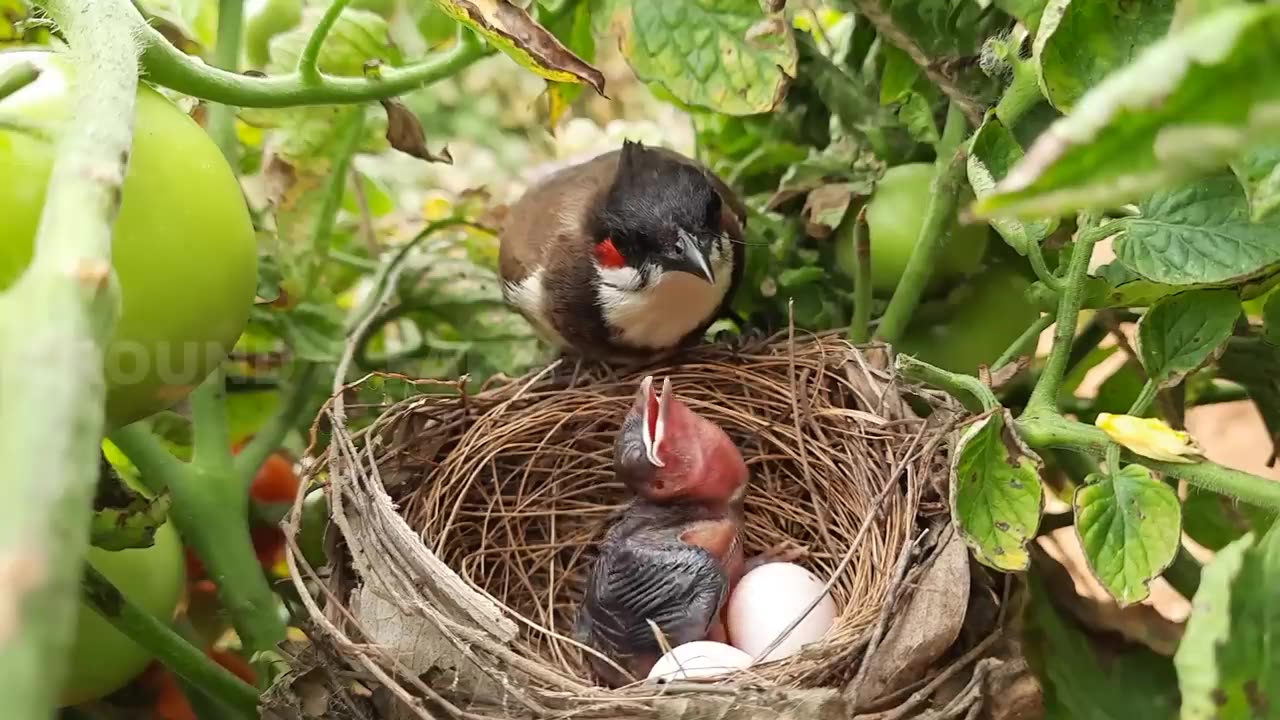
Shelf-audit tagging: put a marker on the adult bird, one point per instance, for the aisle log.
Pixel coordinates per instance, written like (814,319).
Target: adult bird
(626,257)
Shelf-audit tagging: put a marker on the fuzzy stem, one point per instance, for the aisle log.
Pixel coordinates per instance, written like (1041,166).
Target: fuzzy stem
(1144,399)
(1022,94)
(859,327)
(1058,432)
(170,67)
(54,325)
(1184,573)
(309,61)
(943,192)
(957,384)
(1035,254)
(17,77)
(211,436)
(1027,338)
(272,434)
(157,469)
(226,55)
(348,140)
(184,659)
(1045,393)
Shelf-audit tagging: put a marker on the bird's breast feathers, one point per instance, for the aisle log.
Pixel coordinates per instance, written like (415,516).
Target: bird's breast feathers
(529,297)
(660,312)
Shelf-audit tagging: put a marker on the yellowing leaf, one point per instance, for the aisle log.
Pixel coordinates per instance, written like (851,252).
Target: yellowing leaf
(511,30)
(1149,437)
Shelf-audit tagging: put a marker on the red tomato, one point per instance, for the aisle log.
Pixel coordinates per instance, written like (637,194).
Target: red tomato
(275,481)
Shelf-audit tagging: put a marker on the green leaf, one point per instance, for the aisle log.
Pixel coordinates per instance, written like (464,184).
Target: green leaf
(1181,332)
(899,76)
(1259,173)
(996,497)
(1088,679)
(1199,233)
(1254,364)
(1229,659)
(1129,525)
(1188,104)
(574,30)
(510,29)
(945,28)
(1080,43)
(1028,12)
(992,152)
(723,55)
(124,518)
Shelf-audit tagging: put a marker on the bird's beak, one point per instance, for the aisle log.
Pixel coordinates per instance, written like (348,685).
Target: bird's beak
(695,256)
(655,418)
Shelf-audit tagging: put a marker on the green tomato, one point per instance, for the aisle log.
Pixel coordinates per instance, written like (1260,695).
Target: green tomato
(991,313)
(184,249)
(263,20)
(103,659)
(895,215)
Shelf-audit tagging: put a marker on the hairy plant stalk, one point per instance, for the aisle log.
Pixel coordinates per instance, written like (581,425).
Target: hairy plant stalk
(184,659)
(943,192)
(309,61)
(226,55)
(54,324)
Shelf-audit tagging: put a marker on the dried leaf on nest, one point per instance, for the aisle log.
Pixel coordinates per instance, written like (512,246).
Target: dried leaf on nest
(927,627)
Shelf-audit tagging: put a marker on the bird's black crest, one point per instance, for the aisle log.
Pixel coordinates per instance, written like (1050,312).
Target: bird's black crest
(653,194)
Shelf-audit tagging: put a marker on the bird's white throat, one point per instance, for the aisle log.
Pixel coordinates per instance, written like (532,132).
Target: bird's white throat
(656,309)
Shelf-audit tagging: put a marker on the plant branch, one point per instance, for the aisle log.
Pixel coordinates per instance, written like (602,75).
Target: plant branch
(1028,337)
(883,22)
(348,139)
(1022,94)
(1058,432)
(174,69)
(859,327)
(183,658)
(211,435)
(1045,394)
(1035,254)
(55,322)
(226,55)
(957,384)
(266,440)
(943,191)
(309,61)
(157,468)
(1184,573)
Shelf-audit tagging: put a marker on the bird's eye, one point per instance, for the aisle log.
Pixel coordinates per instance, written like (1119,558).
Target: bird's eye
(678,250)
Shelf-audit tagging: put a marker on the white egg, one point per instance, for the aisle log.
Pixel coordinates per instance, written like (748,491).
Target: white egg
(767,600)
(699,659)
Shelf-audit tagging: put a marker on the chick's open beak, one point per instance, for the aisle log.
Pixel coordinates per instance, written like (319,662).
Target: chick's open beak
(655,414)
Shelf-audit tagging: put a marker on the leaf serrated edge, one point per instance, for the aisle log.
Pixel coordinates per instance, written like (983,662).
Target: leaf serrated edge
(1093,570)
(1008,434)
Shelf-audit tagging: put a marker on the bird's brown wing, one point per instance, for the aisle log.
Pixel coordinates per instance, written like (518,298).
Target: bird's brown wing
(552,210)
(677,586)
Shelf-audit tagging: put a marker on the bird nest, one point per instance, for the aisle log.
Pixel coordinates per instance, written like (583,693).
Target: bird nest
(466,524)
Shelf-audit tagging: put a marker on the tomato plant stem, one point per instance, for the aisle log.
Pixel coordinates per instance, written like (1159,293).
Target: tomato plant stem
(1035,254)
(211,436)
(308,62)
(1055,431)
(184,659)
(172,68)
(16,78)
(943,192)
(270,437)
(1025,340)
(54,324)
(1045,394)
(349,132)
(1022,94)
(859,327)
(226,55)
(957,384)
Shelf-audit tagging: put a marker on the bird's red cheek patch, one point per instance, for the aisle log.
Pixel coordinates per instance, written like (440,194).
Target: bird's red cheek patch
(607,254)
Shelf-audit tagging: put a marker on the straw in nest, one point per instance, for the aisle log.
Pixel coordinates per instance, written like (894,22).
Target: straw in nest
(510,488)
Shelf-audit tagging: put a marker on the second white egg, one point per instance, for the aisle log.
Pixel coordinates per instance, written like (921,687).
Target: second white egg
(699,659)
(767,600)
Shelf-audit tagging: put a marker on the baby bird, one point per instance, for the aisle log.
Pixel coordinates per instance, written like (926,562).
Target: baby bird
(676,553)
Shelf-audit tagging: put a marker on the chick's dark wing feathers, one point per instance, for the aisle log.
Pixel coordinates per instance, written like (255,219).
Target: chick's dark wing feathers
(679,587)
